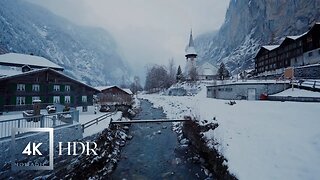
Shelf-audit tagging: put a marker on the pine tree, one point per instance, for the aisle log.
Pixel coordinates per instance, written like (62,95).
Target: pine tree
(223,72)
(179,75)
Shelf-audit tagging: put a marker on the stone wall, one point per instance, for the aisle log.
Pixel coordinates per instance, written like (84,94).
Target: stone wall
(307,72)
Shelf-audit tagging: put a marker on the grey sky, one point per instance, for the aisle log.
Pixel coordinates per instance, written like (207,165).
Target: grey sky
(146,31)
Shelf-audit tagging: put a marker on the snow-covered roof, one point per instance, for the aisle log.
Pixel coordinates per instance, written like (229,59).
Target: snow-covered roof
(271,47)
(207,69)
(190,50)
(47,69)
(297,93)
(100,88)
(128,91)
(24,59)
(9,71)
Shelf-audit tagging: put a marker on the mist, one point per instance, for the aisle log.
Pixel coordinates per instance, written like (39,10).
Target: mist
(146,31)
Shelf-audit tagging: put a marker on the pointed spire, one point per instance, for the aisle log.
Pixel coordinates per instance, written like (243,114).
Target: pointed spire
(191,44)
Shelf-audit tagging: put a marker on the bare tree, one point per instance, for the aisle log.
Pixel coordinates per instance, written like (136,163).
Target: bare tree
(171,72)
(157,78)
(135,85)
(193,74)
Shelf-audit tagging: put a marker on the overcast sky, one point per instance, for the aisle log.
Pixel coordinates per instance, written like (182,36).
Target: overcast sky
(146,31)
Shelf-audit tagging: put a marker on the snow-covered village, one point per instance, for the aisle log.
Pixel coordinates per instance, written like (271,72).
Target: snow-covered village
(160,90)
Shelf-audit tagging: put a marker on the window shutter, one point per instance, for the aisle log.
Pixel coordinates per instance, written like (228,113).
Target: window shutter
(43,98)
(62,99)
(13,100)
(50,100)
(28,100)
(28,87)
(89,99)
(62,88)
(13,87)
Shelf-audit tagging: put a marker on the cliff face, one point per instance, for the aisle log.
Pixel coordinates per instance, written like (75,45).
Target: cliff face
(88,54)
(250,24)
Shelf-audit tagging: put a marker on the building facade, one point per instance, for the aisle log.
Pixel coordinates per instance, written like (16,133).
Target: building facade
(294,51)
(17,92)
(113,95)
(207,71)
(249,90)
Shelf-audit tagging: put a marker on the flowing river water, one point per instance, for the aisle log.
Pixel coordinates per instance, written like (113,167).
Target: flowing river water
(155,153)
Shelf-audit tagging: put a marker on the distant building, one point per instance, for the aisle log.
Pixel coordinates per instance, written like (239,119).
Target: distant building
(249,90)
(114,95)
(207,71)
(294,51)
(26,78)
(191,57)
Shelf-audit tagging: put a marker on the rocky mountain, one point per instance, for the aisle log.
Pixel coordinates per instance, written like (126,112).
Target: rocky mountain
(88,54)
(250,24)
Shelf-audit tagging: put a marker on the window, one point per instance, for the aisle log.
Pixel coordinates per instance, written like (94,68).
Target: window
(21,100)
(35,98)
(67,88)
(35,87)
(56,99)
(67,99)
(21,87)
(310,54)
(56,87)
(84,99)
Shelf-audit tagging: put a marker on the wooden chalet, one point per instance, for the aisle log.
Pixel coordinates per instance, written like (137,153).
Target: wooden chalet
(114,95)
(19,89)
(294,51)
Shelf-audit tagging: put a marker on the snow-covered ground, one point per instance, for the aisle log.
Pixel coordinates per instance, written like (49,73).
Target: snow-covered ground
(260,139)
(16,115)
(90,115)
(297,93)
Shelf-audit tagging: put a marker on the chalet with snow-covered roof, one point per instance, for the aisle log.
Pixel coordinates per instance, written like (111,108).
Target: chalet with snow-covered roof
(33,80)
(207,71)
(294,51)
(114,95)
(16,60)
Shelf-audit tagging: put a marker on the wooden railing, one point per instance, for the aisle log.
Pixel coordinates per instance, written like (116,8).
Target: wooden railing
(96,120)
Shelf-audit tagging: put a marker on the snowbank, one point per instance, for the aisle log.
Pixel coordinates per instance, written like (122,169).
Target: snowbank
(298,93)
(260,139)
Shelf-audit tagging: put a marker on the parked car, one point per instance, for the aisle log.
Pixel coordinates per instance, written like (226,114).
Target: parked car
(104,108)
(51,109)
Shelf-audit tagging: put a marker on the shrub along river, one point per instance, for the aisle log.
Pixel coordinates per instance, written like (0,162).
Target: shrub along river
(156,153)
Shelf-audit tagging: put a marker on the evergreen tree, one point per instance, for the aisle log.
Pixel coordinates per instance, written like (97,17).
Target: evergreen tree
(179,76)
(223,72)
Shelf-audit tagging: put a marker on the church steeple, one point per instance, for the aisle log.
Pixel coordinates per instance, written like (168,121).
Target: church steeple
(191,44)
(190,50)
(191,57)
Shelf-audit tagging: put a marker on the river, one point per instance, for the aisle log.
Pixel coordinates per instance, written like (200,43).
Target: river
(155,153)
